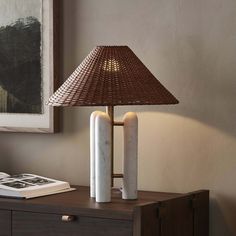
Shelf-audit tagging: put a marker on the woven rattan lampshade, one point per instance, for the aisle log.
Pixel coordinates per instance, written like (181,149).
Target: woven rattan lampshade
(110,76)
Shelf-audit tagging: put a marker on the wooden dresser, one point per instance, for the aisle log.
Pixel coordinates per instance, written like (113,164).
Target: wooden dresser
(75,214)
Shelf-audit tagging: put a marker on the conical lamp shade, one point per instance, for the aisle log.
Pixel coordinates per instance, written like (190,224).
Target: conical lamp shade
(110,76)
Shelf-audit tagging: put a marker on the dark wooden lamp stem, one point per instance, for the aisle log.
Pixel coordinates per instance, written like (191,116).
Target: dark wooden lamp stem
(110,112)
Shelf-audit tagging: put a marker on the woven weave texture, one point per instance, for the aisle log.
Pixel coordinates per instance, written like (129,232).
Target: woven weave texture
(110,76)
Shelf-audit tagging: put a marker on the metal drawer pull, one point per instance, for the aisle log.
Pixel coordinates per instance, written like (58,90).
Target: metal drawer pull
(66,218)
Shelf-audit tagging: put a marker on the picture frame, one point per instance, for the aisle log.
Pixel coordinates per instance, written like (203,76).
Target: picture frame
(29,75)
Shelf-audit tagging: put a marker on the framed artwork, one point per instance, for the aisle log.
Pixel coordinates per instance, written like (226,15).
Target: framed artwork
(28,65)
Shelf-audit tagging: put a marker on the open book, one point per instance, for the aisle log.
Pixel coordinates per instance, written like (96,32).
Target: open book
(30,186)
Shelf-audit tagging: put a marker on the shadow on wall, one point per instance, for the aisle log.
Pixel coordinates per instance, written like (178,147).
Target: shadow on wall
(195,69)
(204,84)
(221,117)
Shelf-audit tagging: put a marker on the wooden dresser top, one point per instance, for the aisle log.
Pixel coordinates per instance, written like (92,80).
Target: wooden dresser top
(79,202)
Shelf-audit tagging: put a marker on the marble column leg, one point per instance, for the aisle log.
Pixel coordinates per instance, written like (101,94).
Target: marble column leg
(92,153)
(103,158)
(130,163)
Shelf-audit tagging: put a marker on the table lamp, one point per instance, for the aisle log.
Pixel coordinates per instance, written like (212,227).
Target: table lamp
(112,76)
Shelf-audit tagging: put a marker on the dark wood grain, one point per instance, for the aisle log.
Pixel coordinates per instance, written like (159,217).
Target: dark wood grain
(176,217)
(37,224)
(201,213)
(146,220)
(153,214)
(56,59)
(5,223)
(79,202)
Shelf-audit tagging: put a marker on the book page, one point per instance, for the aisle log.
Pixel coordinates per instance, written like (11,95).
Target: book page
(27,181)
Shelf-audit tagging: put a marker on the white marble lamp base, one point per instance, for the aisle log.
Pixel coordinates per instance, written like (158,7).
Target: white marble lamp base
(100,156)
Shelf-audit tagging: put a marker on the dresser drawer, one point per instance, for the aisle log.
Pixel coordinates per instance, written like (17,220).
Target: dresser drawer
(5,223)
(38,224)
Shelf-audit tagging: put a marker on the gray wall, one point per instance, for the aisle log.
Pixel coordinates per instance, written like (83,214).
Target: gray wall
(190,46)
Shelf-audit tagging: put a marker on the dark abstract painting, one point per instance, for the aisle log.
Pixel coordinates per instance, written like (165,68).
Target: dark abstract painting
(20,61)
